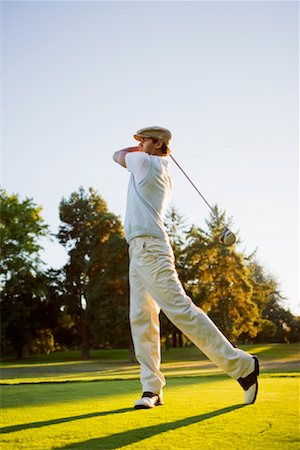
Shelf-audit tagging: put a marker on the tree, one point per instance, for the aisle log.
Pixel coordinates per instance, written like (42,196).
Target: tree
(263,287)
(23,285)
(230,286)
(108,291)
(93,237)
(218,280)
(285,326)
(21,227)
(57,319)
(277,324)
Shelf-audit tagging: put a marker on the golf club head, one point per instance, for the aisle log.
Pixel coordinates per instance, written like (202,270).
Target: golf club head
(227,237)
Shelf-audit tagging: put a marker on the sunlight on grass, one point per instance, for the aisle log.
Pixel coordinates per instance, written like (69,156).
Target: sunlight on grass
(47,365)
(187,361)
(59,408)
(198,413)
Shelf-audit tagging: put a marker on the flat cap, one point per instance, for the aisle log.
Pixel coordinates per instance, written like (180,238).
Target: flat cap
(155,133)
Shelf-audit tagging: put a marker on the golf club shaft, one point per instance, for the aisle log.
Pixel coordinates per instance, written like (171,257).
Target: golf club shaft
(203,198)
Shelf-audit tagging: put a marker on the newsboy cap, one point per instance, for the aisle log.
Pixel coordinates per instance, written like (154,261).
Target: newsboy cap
(155,133)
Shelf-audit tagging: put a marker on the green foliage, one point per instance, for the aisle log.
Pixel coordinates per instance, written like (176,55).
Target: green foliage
(220,279)
(24,311)
(23,287)
(277,324)
(283,326)
(96,273)
(108,292)
(43,342)
(21,227)
(85,304)
(57,319)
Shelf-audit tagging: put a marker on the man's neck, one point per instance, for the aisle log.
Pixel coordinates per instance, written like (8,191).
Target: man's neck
(155,153)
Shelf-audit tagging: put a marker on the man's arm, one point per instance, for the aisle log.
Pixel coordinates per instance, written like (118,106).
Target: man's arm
(119,156)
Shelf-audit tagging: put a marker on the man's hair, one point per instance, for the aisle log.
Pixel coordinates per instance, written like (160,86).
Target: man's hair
(164,148)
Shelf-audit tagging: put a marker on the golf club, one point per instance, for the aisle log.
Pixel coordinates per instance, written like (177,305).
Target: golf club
(227,237)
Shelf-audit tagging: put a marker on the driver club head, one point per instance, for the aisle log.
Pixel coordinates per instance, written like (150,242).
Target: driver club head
(227,237)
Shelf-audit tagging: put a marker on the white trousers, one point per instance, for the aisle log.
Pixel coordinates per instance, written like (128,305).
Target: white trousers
(154,286)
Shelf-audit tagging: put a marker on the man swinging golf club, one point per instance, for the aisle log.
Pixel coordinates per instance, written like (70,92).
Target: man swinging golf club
(154,283)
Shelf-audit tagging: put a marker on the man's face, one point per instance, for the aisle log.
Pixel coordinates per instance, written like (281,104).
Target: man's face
(147,145)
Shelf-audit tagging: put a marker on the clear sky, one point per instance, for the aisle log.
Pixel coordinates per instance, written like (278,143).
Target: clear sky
(79,78)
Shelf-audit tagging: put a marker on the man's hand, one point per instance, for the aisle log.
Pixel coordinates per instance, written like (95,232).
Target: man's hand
(119,156)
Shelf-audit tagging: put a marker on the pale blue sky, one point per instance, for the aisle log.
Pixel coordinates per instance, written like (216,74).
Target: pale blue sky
(80,77)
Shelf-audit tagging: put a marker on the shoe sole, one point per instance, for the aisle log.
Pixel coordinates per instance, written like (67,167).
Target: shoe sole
(148,407)
(256,372)
(256,369)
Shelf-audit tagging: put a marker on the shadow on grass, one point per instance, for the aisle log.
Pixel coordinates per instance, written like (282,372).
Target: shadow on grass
(132,436)
(26,426)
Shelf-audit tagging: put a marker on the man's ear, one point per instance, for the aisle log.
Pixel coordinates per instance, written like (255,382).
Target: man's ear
(159,143)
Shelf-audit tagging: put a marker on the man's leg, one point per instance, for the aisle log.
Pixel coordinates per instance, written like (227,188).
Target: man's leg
(154,263)
(145,330)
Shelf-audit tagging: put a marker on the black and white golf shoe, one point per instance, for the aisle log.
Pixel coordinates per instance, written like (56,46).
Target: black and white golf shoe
(250,384)
(148,400)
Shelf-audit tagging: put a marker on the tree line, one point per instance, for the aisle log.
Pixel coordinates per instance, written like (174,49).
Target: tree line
(85,303)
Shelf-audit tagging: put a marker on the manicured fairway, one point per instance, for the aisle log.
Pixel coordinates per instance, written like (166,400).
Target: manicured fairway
(201,411)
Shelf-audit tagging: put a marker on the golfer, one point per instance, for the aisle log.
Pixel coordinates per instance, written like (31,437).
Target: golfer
(154,283)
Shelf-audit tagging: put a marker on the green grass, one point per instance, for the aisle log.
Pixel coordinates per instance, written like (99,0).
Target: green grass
(56,408)
(114,364)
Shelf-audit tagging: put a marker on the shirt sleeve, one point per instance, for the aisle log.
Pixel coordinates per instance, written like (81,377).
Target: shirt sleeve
(138,163)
